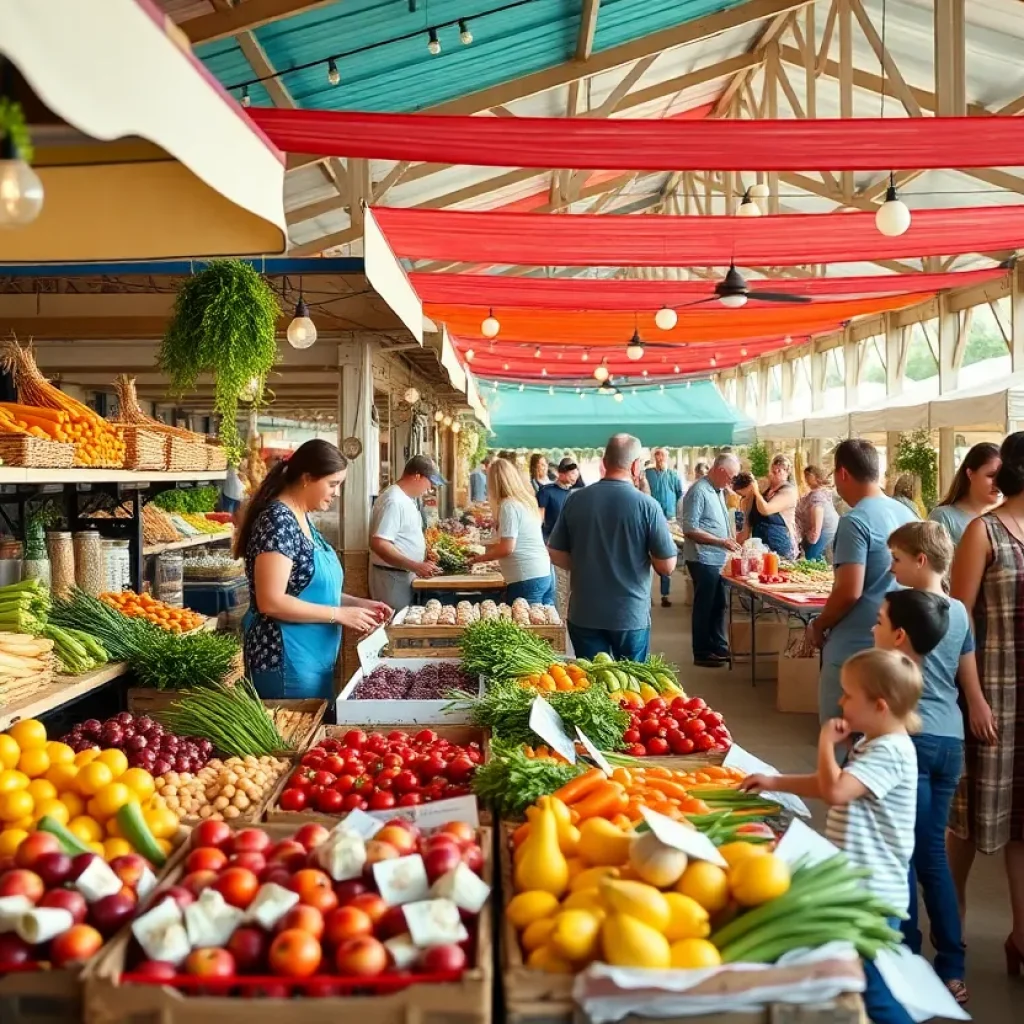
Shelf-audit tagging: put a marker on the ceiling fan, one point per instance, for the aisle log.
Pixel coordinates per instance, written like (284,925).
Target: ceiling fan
(733,291)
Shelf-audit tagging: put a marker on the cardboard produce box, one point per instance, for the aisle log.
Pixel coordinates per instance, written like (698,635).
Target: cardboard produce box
(770,640)
(797,688)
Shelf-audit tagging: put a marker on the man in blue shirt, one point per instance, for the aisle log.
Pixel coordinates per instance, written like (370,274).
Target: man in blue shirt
(666,490)
(609,536)
(708,542)
(552,497)
(478,480)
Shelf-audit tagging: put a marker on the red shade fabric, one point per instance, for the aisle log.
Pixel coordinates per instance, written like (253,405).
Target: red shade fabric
(490,290)
(537,239)
(668,144)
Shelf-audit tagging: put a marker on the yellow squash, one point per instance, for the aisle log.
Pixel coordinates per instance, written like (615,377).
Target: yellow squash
(576,934)
(628,942)
(541,865)
(638,900)
(603,844)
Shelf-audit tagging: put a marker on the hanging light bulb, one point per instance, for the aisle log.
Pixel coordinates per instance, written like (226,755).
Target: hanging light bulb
(645,373)
(246,100)
(494,386)
(586,356)
(456,427)
(411,396)
(470,355)
(543,371)
(447,421)
(333,74)
(582,395)
(759,191)
(251,390)
(635,348)
(21,191)
(747,207)
(302,330)
(601,372)
(661,387)
(438,416)
(713,361)
(465,36)
(743,351)
(490,327)
(666,318)
(433,43)
(893,217)
(607,388)
(788,341)
(504,366)
(733,301)
(675,369)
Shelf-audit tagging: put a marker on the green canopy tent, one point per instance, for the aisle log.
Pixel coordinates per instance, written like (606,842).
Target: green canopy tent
(678,416)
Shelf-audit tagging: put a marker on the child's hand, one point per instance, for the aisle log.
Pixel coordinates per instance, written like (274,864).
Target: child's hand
(835,730)
(757,784)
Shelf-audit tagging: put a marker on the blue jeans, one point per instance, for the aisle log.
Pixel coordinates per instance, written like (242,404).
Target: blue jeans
(666,585)
(940,760)
(709,599)
(539,590)
(879,1002)
(816,551)
(621,644)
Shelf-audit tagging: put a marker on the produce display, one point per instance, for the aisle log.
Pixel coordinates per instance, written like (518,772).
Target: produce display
(144,606)
(558,675)
(377,771)
(315,909)
(479,514)
(451,552)
(678,727)
(497,648)
(432,682)
(146,743)
(465,613)
(25,662)
(95,800)
(223,790)
(213,567)
(192,499)
(161,527)
(195,524)
(644,679)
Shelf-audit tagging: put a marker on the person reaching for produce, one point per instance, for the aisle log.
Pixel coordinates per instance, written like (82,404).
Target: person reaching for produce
(297,609)
(520,549)
(398,550)
(873,798)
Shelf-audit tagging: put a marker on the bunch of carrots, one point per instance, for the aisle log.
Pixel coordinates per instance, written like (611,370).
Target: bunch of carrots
(144,606)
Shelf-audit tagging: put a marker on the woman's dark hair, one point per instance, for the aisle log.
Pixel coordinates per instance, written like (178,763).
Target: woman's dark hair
(534,460)
(1010,478)
(978,456)
(741,480)
(313,458)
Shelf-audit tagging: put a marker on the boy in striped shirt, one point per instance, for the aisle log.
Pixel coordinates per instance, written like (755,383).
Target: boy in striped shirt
(873,797)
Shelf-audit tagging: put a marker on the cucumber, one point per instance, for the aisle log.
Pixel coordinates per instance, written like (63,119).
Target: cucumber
(134,828)
(71,843)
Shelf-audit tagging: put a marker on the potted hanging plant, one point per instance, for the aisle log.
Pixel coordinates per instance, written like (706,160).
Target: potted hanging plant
(224,324)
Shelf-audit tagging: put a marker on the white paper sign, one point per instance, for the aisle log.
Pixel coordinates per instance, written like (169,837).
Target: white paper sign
(913,983)
(595,755)
(402,880)
(546,723)
(435,923)
(746,762)
(369,649)
(802,843)
(360,823)
(430,815)
(681,837)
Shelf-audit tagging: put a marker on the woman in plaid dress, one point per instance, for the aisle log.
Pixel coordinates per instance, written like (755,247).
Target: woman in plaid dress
(988,576)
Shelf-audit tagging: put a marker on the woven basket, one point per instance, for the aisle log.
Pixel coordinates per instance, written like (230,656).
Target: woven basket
(144,449)
(182,456)
(217,458)
(25,450)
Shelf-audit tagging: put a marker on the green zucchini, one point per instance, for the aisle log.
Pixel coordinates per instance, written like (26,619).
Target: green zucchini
(134,828)
(71,843)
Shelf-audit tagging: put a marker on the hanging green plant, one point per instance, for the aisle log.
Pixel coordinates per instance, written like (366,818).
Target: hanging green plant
(916,454)
(760,459)
(224,324)
(13,127)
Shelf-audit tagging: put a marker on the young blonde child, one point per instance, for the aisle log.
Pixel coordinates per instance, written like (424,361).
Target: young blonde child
(873,797)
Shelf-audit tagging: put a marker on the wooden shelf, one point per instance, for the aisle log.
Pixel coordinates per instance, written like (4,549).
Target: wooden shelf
(188,542)
(63,690)
(31,475)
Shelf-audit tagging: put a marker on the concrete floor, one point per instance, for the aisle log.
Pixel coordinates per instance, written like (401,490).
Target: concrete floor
(788,742)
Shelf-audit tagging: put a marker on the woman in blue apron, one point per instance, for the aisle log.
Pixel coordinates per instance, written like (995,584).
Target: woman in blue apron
(296,607)
(771,516)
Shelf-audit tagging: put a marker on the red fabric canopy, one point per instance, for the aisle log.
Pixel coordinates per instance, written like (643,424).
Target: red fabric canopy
(869,144)
(537,239)
(490,290)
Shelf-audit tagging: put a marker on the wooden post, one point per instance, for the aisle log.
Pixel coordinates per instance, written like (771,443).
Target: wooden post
(947,465)
(1017,318)
(950,352)
(851,369)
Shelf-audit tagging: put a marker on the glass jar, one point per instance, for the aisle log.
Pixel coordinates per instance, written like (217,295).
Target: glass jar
(36,569)
(90,570)
(118,565)
(61,551)
(11,554)
(170,577)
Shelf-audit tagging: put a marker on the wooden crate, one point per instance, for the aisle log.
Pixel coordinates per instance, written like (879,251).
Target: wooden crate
(41,997)
(467,1001)
(455,733)
(443,641)
(535,997)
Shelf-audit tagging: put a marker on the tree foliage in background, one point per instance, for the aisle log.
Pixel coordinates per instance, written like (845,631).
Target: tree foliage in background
(916,454)
(760,459)
(224,324)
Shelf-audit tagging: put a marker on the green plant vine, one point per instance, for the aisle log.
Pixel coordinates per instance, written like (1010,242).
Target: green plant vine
(13,126)
(224,324)
(916,454)
(760,459)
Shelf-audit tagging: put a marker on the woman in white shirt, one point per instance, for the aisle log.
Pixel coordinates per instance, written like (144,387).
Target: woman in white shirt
(520,548)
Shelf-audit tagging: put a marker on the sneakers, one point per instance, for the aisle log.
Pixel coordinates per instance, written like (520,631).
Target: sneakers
(711,662)
(665,602)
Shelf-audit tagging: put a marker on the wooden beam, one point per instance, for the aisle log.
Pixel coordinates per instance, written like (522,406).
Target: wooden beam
(899,86)
(244,17)
(723,105)
(826,35)
(845,19)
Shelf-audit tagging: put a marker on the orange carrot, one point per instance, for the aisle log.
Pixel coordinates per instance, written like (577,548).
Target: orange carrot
(576,789)
(603,801)
(672,789)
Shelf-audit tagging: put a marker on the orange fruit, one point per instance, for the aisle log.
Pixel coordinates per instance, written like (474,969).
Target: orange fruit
(15,805)
(706,883)
(116,848)
(115,760)
(34,762)
(87,829)
(84,757)
(140,782)
(29,734)
(59,753)
(10,752)
(62,776)
(41,789)
(11,779)
(73,802)
(10,840)
(52,809)
(109,800)
(93,777)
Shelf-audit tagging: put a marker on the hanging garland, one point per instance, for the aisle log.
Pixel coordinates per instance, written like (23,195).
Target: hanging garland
(224,323)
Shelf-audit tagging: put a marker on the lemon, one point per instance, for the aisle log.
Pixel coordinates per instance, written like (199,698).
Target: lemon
(87,829)
(109,800)
(59,753)
(52,809)
(140,782)
(73,802)
(10,779)
(93,777)
(62,776)
(536,934)
(532,905)
(116,848)
(735,852)
(10,840)
(757,880)
(34,762)
(9,751)
(706,883)
(688,920)
(15,805)
(84,757)
(115,760)
(40,789)
(693,954)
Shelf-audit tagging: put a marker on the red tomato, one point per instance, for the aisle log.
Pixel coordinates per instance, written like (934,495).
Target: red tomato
(408,800)
(678,706)
(695,704)
(460,768)
(330,801)
(313,759)
(364,785)
(426,736)
(432,767)
(335,765)
(638,750)
(694,728)
(344,783)
(657,747)
(353,802)
(649,727)
(323,778)
(388,773)
(711,718)
(397,736)
(406,781)
(703,742)
(668,722)
(355,739)
(331,745)
(631,736)
(382,801)
(377,743)
(393,760)
(476,756)
(293,800)
(655,706)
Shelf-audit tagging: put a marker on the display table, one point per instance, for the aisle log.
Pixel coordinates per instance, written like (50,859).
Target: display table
(466,584)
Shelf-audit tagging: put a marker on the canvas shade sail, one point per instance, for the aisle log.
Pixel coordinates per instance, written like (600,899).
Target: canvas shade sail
(605,240)
(661,144)
(710,323)
(679,415)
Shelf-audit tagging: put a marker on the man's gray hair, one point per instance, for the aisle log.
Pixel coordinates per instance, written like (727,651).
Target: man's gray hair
(726,459)
(664,451)
(622,451)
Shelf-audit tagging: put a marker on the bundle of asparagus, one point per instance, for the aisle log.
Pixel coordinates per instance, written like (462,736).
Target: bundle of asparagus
(26,664)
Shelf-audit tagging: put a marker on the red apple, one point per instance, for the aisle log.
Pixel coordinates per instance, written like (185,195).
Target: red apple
(206,858)
(130,868)
(77,944)
(13,951)
(210,833)
(311,835)
(347,891)
(249,947)
(20,882)
(461,830)
(182,896)
(473,857)
(210,963)
(364,957)
(371,904)
(254,862)
(288,852)
(53,868)
(158,970)
(410,826)
(79,863)
(441,959)
(438,840)
(377,850)
(237,885)
(35,846)
(69,900)
(7,864)
(111,912)
(278,874)
(250,840)
(440,860)
(197,881)
(346,923)
(321,988)
(392,923)
(305,919)
(400,838)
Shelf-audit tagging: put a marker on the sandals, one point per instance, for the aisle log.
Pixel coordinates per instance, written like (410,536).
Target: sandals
(958,990)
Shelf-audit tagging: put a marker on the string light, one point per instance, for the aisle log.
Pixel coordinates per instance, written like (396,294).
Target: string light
(333,74)
(551,390)
(635,348)
(465,36)
(433,43)
(585,357)
(246,100)
(713,361)
(747,207)
(470,355)
(619,397)
(666,318)
(675,369)
(21,191)
(543,371)
(447,421)
(456,427)
(438,416)
(601,372)
(645,373)
(504,366)
(411,396)
(536,352)
(893,216)
(520,387)
(302,330)
(490,327)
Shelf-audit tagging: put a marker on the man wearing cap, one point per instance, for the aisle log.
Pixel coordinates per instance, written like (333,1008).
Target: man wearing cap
(551,497)
(397,548)
(666,490)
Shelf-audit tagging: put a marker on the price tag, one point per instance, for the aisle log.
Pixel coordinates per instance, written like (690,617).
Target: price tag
(547,724)
(430,815)
(802,843)
(369,649)
(746,762)
(593,753)
(359,823)
(434,923)
(681,837)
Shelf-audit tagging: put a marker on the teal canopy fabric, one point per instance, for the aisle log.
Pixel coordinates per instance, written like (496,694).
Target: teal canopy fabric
(679,416)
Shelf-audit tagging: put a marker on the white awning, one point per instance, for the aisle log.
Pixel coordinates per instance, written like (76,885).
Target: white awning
(160,162)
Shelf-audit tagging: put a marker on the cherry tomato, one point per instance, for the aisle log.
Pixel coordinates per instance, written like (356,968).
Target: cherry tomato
(678,706)
(409,799)
(381,801)
(694,728)
(330,801)
(406,781)
(426,736)
(675,737)
(377,743)
(657,746)
(460,769)
(385,785)
(313,758)
(655,706)
(686,747)
(344,783)
(393,761)
(631,736)
(703,742)
(695,704)
(388,773)
(669,722)
(638,750)
(364,785)
(711,718)
(649,727)
(355,739)
(293,799)
(323,778)
(335,765)
(397,736)
(432,767)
